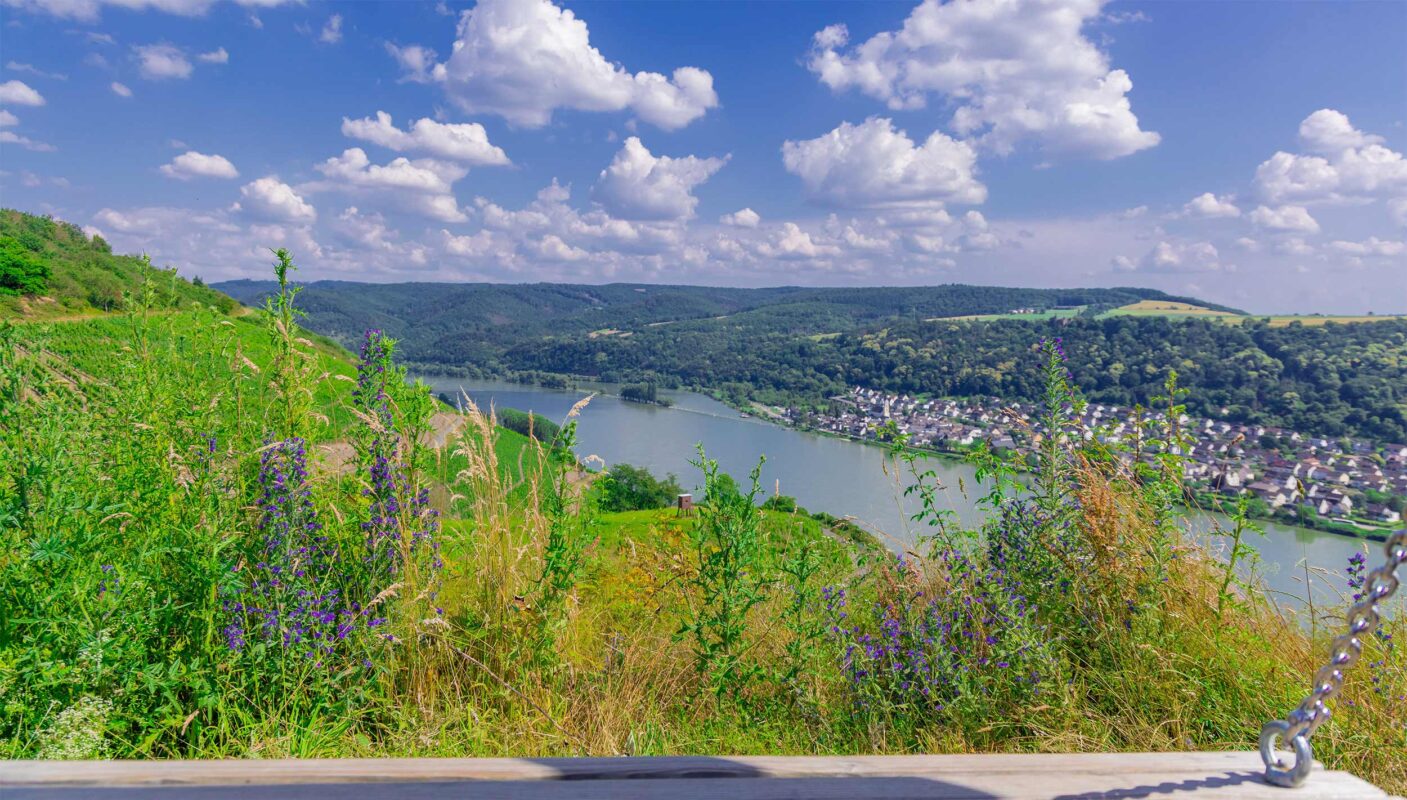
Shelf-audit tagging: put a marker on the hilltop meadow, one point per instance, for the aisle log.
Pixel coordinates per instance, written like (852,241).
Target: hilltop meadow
(221,536)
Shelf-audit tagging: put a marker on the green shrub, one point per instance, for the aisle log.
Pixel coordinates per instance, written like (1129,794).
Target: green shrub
(629,488)
(22,271)
(529,424)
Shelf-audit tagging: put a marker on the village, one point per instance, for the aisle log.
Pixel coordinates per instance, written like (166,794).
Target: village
(1286,473)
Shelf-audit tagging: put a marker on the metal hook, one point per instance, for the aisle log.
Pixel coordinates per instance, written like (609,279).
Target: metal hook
(1275,769)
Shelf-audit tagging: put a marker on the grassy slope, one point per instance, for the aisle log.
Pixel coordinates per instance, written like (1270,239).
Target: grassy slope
(87,278)
(1164,308)
(213,348)
(626,683)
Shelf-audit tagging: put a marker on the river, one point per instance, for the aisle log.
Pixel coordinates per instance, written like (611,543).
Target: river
(847,478)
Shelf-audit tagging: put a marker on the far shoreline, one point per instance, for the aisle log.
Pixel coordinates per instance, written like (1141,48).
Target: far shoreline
(572,384)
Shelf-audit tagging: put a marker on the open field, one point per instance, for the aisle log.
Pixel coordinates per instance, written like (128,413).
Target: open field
(1165,308)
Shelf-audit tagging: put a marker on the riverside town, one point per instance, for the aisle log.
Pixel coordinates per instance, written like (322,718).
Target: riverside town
(1292,476)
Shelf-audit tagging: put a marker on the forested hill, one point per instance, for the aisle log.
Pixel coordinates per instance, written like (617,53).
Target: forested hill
(1333,380)
(50,268)
(801,346)
(476,324)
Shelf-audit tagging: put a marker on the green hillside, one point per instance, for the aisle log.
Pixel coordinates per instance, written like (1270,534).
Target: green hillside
(797,346)
(52,269)
(483,325)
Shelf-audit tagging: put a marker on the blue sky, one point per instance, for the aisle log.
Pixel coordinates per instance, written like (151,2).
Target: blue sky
(1249,152)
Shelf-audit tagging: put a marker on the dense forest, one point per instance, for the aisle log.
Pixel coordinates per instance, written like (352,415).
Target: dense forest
(801,346)
(1329,380)
(50,268)
(479,324)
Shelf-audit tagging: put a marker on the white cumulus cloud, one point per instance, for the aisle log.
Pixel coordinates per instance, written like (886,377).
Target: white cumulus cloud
(1013,70)
(423,186)
(162,61)
(742,218)
(872,164)
(120,89)
(1343,164)
(791,242)
(467,142)
(523,59)
(218,56)
(192,164)
(273,200)
(418,64)
(640,185)
(354,167)
(1179,257)
(1209,205)
(1285,218)
(1329,131)
(19,93)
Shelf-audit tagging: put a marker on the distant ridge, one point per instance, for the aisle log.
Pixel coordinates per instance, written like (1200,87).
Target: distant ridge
(796,346)
(433,318)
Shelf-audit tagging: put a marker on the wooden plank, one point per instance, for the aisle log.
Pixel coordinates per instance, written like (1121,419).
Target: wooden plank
(984,777)
(705,788)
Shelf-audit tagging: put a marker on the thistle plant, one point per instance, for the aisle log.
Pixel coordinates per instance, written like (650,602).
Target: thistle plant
(1238,554)
(294,367)
(729,580)
(571,527)
(924,484)
(799,568)
(1058,437)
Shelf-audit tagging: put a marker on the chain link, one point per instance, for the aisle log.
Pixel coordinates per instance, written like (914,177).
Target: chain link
(1363,619)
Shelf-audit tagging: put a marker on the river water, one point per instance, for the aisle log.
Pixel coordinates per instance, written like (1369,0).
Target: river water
(847,478)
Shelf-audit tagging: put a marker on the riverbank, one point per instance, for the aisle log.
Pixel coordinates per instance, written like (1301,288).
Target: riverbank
(832,475)
(1206,501)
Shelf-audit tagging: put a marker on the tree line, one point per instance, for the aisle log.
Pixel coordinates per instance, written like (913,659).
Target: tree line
(1330,380)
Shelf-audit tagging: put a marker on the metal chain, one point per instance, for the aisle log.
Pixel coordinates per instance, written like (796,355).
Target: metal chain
(1363,619)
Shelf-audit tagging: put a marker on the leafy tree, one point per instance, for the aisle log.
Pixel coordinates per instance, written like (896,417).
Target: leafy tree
(529,424)
(630,488)
(21,270)
(780,502)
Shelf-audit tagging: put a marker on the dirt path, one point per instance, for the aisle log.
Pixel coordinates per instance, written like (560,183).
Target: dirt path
(339,457)
(443,426)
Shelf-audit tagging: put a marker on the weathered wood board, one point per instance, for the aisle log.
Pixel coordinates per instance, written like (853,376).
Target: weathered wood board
(969,777)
